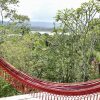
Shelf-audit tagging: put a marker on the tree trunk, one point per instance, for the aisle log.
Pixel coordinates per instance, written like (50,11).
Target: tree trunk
(2,17)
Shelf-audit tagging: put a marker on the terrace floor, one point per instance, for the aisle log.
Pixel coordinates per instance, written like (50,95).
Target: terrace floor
(30,97)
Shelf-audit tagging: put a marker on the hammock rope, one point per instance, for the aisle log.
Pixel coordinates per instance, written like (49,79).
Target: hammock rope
(44,89)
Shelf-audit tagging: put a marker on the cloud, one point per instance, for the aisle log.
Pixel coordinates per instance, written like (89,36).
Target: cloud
(45,9)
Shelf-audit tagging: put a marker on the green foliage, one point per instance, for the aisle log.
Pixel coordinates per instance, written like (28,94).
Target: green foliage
(62,57)
(15,21)
(6,10)
(81,23)
(6,89)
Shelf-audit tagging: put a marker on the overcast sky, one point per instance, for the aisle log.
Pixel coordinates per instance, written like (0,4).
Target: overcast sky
(45,10)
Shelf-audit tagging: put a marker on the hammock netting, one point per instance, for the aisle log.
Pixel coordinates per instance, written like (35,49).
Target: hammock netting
(44,90)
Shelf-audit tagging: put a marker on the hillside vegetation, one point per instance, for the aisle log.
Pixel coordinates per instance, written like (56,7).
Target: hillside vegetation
(72,54)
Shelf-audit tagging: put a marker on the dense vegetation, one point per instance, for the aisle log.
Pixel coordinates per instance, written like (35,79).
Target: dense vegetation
(72,54)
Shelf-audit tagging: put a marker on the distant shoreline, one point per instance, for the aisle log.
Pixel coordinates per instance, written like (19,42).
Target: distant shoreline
(42,32)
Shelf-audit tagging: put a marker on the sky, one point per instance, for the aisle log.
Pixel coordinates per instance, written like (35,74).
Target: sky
(45,10)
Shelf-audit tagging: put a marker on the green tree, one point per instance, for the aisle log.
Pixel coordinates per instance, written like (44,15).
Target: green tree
(17,22)
(75,23)
(21,23)
(5,10)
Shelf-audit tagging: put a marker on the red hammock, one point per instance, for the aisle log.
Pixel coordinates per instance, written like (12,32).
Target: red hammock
(27,84)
